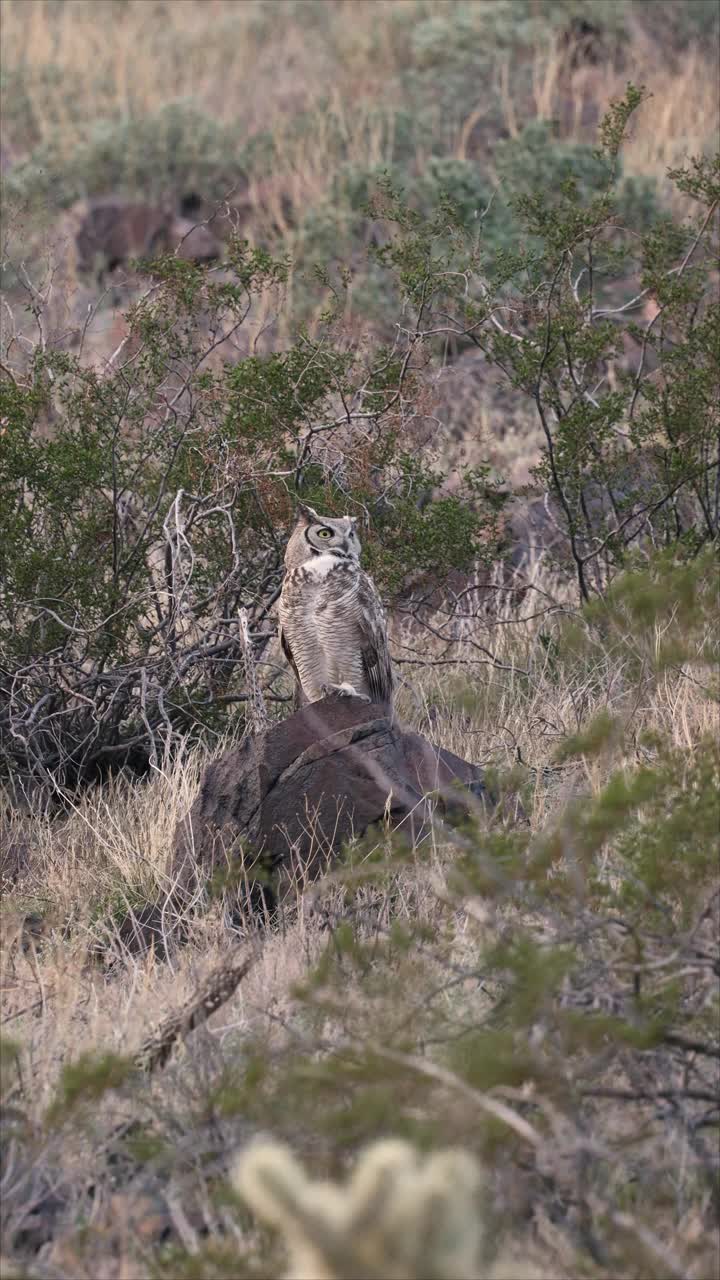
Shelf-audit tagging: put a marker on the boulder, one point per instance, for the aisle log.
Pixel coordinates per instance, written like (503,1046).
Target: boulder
(112,231)
(287,800)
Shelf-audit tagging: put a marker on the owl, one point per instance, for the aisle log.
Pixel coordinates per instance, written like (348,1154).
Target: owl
(332,625)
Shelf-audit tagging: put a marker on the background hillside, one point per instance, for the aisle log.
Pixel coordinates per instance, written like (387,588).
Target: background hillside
(291,111)
(451,266)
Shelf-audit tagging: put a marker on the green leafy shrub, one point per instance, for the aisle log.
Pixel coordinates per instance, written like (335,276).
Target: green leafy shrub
(164,483)
(461,182)
(538,161)
(178,149)
(147,480)
(629,457)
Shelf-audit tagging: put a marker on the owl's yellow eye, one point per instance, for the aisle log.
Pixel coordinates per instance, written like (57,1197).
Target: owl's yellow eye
(324,533)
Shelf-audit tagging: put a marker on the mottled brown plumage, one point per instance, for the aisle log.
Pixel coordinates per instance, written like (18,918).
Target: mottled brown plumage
(332,624)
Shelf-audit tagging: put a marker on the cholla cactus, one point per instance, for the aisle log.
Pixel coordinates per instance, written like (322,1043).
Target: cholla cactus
(400,1217)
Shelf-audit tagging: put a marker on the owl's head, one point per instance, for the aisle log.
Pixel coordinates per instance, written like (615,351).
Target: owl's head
(316,535)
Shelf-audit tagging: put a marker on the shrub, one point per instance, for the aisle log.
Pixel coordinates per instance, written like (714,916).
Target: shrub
(176,150)
(165,482)
(626,455)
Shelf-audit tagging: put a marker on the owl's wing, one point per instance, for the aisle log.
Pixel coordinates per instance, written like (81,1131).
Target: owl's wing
(288,652)
(374,642)
(285,606)
(299,698)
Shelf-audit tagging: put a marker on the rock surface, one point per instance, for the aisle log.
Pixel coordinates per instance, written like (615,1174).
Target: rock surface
(112,231)
(290,798)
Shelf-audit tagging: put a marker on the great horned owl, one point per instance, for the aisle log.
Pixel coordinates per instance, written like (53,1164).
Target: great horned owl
(332,625)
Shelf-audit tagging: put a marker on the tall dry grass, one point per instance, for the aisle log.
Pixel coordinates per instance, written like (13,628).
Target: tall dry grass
(324,85)
(679,120)
(260,63)
(252,62)
(80,873)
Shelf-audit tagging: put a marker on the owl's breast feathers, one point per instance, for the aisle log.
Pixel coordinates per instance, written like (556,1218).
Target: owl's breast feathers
(331,617)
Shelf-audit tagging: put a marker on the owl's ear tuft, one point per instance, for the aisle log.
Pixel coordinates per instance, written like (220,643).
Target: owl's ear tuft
(305,514)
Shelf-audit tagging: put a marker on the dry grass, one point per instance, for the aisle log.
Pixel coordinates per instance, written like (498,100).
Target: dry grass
(81,873)
(680,119)
(112,850)
(254,63)
(259,63)
(260,68)
(263,64)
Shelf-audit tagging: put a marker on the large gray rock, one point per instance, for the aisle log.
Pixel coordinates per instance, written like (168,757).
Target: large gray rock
(287,800)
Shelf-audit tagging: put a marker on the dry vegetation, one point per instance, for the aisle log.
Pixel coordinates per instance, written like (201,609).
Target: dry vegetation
(80,876)
(260,65)
(428,995)
(288,110)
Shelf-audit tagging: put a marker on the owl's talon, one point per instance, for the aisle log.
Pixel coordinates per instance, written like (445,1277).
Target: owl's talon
(343,690)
